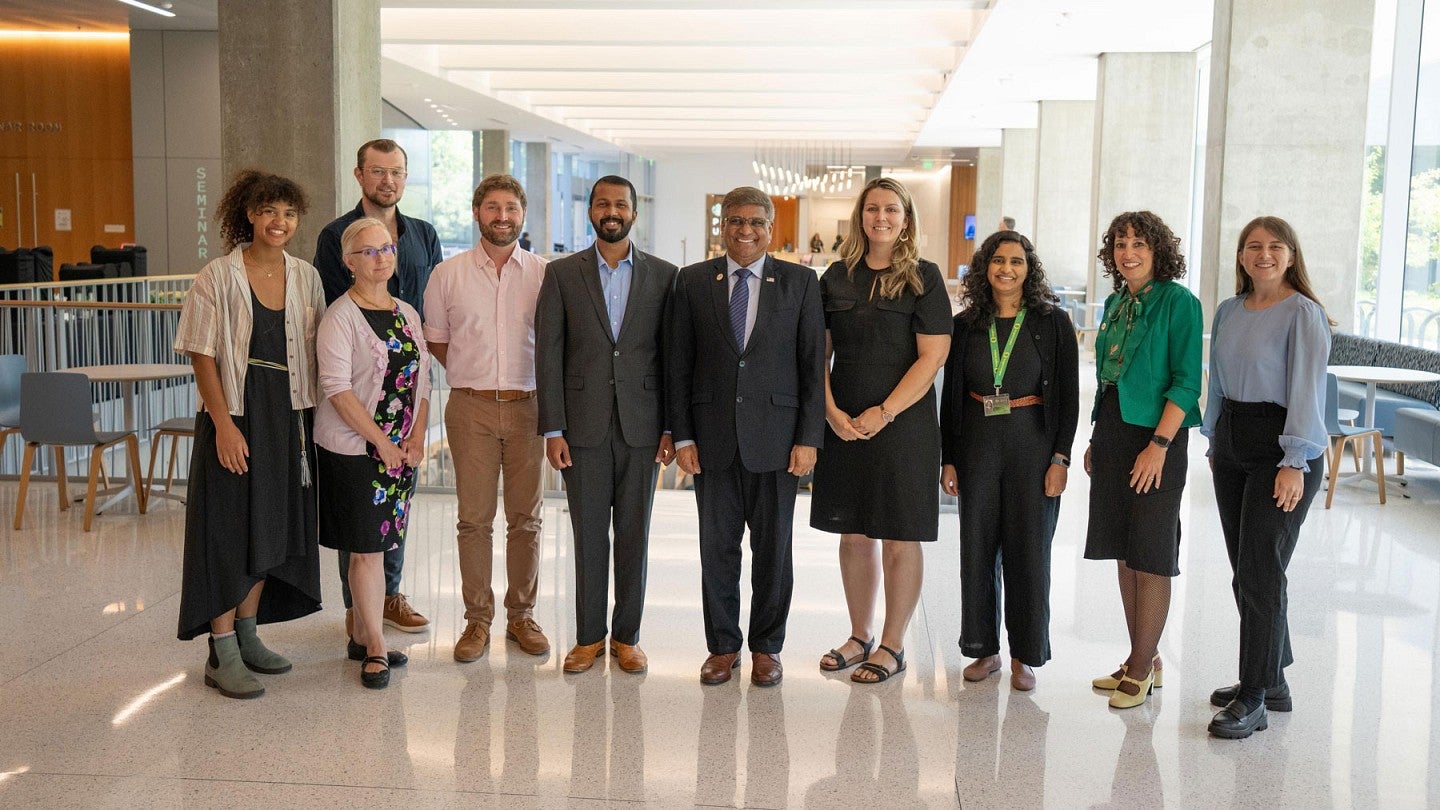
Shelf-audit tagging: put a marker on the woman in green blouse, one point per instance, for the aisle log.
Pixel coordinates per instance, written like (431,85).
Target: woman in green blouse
(1147,358)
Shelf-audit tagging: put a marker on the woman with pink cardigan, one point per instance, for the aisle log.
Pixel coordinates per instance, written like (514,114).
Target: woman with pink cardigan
(370,431)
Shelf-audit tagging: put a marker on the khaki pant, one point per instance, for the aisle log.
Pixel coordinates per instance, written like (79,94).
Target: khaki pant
(488,438)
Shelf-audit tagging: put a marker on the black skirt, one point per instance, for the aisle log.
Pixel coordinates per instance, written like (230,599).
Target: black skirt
(1142,530)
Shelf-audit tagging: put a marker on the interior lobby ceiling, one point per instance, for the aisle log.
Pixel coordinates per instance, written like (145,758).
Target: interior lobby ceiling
(895,80)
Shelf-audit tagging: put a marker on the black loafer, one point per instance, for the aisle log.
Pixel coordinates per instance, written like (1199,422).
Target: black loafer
(1277,699)
(375,680)
(1233,723)
(356,652)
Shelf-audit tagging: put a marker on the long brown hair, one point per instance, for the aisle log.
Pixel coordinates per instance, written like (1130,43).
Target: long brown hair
(904,260)
(1295,274)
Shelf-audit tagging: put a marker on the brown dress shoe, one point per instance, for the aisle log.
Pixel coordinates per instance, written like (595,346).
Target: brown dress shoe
(399,615)
(472,642)
(528,635)
(765,669)
(981,668)
(1022,677)
(582,656)
(630,656)
(718,668)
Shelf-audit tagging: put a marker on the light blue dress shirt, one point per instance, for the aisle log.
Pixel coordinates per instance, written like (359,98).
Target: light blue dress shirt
(615,286)
(1278,354)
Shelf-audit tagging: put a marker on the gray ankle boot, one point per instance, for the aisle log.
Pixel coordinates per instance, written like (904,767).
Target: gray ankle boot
(225,671)
(256,655)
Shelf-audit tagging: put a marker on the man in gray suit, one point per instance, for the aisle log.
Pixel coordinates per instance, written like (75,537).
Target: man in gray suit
(599,370)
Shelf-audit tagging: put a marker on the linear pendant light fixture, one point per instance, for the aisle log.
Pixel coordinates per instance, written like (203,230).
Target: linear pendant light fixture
(147,7)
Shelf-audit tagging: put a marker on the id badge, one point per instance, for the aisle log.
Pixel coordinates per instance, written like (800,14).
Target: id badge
(996,404)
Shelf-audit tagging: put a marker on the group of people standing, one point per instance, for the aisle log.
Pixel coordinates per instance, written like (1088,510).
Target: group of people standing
(749,372)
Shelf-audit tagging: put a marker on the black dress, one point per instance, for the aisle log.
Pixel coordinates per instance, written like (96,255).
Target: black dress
(365,507)
(260,525)
(886,487)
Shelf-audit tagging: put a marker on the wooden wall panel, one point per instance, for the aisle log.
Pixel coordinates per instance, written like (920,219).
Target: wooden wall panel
(962,202)
(65,119)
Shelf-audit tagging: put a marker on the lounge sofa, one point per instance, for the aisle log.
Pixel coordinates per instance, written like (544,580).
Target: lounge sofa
(1353,350)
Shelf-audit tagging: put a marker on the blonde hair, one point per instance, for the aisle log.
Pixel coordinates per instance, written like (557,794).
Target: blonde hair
(904,260)
(353,231)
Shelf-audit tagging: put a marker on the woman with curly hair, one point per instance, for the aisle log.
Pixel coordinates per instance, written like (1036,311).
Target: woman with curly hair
(248,325)
(1008,410)
(887,328)
(1147,361)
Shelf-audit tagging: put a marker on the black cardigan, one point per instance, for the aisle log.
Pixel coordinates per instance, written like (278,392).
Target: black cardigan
(1054,335)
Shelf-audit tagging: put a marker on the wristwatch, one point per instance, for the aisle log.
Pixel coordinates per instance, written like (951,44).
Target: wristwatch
(1160,441)
(1059,459)
(886,415)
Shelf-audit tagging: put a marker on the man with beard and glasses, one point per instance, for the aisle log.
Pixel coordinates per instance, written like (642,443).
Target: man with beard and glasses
(480,325)
(380,169)
(599,362)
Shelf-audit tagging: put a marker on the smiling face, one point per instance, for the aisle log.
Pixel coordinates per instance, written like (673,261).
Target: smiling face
(1007,270)
(1265,257)
(747,233)
(1134,259)
(371,271)
(612,212)
(883,216)
(275,223)
(382,178)
(500,215)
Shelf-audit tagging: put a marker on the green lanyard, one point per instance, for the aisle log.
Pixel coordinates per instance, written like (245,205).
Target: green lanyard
(999,362)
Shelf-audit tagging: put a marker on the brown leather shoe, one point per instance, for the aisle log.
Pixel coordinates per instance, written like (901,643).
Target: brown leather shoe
(630,657)
(1022,677)
(582,656)
(981,668)
(399,615)
(719,667)
(472,642)
(765,669)
(525,632)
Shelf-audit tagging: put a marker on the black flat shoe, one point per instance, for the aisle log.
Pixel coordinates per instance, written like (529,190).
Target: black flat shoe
(1233,723)
(356,652)
(375,680)
(1276,699)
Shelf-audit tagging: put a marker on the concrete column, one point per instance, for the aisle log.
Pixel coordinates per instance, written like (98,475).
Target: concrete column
(1066,155)
(1018,153)
(537,195)
(1289,82)
(989,176)
(494,152)
(1144,144)
(300,117)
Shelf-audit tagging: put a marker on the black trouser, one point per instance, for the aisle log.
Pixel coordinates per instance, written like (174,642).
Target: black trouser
(611,482)
(731,498)
(1259,535)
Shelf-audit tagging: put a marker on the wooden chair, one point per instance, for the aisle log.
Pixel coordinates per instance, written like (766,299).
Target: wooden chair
(1342,435)
(55,410)
(181,427)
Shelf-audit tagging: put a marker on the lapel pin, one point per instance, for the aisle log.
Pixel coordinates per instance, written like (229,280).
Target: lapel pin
(770,279)
(719,276)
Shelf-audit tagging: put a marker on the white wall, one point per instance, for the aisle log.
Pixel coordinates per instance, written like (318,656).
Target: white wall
(681,183)
(930,191)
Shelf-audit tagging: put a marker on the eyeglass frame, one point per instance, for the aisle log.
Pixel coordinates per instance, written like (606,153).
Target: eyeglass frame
(389,249)
(380,173)
(756,223)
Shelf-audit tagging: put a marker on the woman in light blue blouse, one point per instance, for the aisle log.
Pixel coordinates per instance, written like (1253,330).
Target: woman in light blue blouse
(1266,426)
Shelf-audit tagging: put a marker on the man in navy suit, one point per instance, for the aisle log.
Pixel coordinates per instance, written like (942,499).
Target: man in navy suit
(746,390)
(599,367)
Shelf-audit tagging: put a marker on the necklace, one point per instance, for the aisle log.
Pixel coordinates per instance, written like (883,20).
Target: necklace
(357,294)
(269,273)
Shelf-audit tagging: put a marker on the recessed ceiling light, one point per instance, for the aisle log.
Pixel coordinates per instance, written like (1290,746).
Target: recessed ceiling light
(147,7)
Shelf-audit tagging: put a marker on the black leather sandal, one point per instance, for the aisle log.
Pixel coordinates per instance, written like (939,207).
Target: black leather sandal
(846,663)
(375,680)
(881,673)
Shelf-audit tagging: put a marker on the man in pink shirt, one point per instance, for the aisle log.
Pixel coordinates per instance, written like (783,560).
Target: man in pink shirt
(480,325)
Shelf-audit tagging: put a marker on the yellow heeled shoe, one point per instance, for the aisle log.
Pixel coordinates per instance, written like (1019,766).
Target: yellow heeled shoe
(1109,682)
(1121,700)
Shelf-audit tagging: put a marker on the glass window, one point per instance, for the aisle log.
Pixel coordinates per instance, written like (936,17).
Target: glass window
(1420,314)
(1377,127)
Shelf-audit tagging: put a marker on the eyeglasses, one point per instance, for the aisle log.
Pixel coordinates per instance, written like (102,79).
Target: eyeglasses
(380,173)
(371,253)
(756,223)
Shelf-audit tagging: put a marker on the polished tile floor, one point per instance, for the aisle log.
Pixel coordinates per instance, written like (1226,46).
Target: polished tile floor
(101,706)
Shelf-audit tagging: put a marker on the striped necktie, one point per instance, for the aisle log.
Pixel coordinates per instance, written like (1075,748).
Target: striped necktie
(740,305)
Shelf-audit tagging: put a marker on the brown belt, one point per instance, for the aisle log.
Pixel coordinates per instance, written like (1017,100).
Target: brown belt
(503,395)
(1020,402)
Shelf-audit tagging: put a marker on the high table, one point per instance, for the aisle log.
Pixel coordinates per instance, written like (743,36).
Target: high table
(128,374)
(1373,376)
